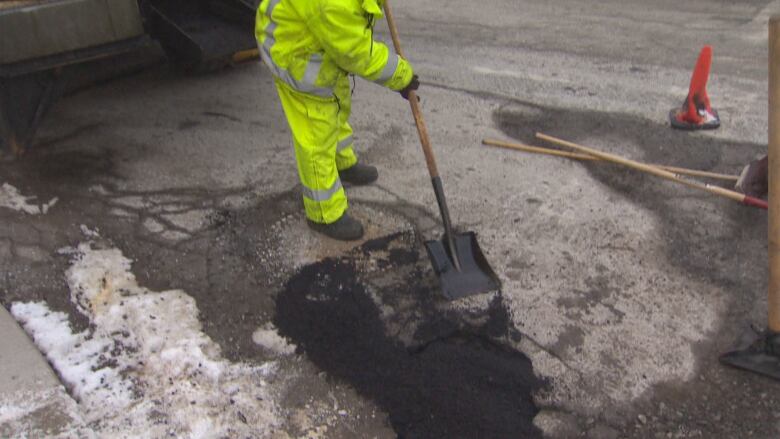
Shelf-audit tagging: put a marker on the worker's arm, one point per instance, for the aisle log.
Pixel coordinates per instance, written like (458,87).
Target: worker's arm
(342,28)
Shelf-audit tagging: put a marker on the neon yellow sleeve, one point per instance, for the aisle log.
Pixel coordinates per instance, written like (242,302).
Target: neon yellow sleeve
(342,29)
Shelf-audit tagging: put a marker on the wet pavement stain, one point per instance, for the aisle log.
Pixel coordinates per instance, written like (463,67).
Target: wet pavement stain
(448,379)
(695,239)
(713,240)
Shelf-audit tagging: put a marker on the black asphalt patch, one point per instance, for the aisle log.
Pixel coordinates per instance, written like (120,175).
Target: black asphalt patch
(451,379)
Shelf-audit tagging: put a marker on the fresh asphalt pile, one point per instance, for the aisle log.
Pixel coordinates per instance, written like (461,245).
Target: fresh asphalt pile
(448,379)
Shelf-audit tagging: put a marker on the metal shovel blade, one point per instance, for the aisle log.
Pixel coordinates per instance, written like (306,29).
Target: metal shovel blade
(760,357)
(475,275)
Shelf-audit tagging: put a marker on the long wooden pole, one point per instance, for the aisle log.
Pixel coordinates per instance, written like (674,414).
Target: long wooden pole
(774,175)
(539,150)
(425,142)
(414,103)
(576,156)
(650,169)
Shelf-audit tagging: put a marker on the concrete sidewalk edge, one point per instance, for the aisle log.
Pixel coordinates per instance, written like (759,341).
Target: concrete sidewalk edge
(33,402)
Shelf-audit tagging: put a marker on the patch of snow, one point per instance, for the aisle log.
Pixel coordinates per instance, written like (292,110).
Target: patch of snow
(11,198)
(153,225)
(145,368)
(78,358)
(268,337)
(90,233)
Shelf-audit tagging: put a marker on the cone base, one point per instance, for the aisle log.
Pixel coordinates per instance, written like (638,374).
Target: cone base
(676,115)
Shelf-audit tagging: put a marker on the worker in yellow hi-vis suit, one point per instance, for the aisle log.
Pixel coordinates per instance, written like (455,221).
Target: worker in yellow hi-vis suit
(311,47)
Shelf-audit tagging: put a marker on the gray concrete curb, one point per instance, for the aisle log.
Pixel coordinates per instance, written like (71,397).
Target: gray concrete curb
(33,401)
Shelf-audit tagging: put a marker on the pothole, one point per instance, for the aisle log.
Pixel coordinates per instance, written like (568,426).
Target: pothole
(372,319)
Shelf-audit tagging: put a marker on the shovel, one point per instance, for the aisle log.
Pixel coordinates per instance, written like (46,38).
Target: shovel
(457,259)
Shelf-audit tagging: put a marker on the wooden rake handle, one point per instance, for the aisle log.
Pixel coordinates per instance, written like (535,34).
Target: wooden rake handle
(654,170)
(577,156)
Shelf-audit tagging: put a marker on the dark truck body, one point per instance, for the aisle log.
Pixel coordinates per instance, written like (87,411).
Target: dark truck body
(45,44)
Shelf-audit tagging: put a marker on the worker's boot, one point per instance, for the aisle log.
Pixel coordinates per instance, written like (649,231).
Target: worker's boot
(359,174)
(754,178)
(345,228)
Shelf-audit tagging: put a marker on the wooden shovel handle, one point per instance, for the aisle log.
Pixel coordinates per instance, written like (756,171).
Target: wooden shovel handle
(774,176)
(422,130)
(393,29)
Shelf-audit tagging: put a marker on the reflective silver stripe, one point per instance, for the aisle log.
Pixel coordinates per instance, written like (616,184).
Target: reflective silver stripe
(323,195)
(271,5)
(306,85)
(269,30)
(312,69)
(344,144)
(389,70)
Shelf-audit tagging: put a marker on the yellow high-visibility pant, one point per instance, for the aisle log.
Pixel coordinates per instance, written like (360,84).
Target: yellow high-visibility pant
(323,146)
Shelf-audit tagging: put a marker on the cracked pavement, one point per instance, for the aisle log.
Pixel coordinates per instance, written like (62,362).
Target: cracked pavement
(625,288)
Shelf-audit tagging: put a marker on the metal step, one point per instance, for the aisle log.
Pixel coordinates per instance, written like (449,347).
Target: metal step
(201,35)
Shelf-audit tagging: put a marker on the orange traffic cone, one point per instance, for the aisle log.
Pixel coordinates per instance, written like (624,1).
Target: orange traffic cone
(696,112)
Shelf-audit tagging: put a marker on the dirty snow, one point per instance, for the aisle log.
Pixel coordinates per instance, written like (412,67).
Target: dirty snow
(268,337)
(11,198)
(144,368)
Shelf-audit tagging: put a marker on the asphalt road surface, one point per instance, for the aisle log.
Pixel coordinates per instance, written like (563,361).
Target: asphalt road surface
(619,292)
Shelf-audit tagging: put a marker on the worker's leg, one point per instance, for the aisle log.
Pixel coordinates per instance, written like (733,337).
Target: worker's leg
(315,125)
(345,153)
(350,170)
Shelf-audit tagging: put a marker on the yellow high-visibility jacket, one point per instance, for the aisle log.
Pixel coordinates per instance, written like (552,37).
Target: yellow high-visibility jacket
(311,44)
